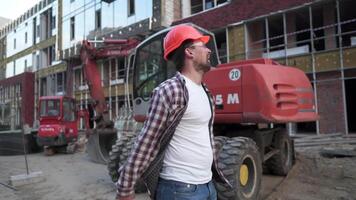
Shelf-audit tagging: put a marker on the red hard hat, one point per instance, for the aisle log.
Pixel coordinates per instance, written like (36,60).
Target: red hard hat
(180,33)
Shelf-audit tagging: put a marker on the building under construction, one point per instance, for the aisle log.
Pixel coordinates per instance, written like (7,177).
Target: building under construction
(317,36)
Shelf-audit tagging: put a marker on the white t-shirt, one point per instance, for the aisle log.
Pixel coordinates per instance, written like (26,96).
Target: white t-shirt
(189,156)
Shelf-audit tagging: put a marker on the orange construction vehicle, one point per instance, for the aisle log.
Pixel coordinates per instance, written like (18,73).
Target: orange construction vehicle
(254,99)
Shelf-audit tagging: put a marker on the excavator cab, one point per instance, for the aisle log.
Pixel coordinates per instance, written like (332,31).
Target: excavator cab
(150,69)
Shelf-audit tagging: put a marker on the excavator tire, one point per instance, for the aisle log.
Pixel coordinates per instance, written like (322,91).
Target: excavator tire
(241,164)
(282,162)
(118,156)
(219,142)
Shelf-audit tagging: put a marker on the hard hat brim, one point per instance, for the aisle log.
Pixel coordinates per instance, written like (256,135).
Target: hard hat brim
(205,39)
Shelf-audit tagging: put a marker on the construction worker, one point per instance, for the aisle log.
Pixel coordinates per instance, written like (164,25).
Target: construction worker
(177,135)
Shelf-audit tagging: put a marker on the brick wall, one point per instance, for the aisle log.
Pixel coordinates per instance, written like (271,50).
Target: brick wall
(237,11)
(28,99)
(330,103)
(27,94)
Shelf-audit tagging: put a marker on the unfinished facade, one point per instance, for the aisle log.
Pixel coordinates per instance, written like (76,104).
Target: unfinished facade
(97,20)
(28,45)
(46,40)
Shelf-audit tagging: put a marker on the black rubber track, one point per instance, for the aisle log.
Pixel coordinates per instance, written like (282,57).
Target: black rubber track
(234,153)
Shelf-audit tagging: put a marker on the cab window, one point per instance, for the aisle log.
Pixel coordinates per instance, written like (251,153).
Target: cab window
(49,108)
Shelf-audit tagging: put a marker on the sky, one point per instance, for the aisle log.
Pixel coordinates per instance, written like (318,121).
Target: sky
(12,9)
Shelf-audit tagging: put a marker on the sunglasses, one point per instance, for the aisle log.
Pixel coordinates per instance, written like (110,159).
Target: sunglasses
(202,45)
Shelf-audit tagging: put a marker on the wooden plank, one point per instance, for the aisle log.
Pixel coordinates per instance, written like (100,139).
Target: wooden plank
(350,136)
(346,141)
(318,136)
(299,135)
(320,140)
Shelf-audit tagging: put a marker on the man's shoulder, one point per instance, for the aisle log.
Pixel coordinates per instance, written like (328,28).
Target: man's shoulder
(171,84)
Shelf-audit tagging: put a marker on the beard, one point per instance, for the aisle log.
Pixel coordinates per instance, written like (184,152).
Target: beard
(205,67)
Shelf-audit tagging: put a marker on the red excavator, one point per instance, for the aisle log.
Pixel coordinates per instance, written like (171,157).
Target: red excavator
(254,99)
(58,130)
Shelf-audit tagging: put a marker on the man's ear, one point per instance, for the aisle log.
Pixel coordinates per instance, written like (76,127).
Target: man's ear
(188,52)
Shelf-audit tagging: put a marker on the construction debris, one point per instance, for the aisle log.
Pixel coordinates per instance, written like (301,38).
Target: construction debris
(339,152)
(24,179)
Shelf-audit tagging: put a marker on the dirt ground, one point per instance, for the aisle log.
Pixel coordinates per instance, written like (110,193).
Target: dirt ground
(75,177)
(70,177)
(316,177)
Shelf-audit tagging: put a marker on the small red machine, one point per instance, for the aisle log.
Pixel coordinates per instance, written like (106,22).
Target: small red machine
(58,128)
(59,117)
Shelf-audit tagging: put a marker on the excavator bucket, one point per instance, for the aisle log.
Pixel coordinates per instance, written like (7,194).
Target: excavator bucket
(99,145)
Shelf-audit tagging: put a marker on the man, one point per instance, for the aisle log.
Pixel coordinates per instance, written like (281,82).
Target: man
(181,107)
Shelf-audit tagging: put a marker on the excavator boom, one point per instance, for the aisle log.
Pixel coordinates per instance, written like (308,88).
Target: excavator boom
(89,55)
(101,137)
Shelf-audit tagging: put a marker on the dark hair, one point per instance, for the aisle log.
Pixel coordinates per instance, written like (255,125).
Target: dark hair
(178,55)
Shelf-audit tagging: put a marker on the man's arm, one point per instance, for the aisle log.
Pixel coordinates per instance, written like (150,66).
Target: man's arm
(146,146)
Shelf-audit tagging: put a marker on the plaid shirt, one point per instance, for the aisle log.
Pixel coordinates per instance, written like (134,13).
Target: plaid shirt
(168,104)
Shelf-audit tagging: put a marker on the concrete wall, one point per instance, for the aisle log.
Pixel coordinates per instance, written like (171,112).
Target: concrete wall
(26,80)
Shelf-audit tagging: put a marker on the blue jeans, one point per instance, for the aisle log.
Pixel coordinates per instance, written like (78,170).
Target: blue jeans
(175,190)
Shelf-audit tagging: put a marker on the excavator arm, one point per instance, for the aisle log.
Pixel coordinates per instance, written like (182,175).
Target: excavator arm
(89,55)
(100,139)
